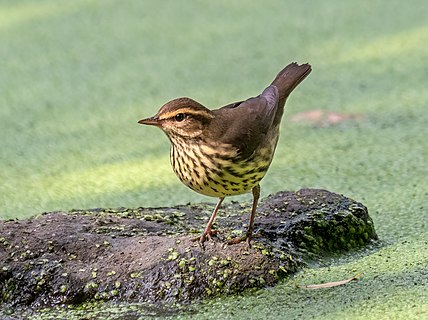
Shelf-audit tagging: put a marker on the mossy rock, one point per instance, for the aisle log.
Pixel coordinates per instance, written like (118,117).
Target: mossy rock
(147,254)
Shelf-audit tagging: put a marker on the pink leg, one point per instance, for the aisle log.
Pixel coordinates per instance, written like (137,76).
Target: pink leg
(256,196)
(208,232)
(248,235)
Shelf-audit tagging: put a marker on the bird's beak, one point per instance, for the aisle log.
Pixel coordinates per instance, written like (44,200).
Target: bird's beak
(152,121)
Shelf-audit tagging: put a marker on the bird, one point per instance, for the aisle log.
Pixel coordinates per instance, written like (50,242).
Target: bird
(227,151)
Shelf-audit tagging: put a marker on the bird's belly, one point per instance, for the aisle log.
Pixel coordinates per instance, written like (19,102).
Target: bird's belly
(231,181)
(220,176)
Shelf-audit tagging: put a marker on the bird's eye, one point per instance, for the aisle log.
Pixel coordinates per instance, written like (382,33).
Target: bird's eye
(179,117)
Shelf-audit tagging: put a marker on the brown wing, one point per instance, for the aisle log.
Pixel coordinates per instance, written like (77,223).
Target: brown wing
(245,124)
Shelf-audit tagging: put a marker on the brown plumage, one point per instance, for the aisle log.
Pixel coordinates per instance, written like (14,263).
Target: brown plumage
(227,151)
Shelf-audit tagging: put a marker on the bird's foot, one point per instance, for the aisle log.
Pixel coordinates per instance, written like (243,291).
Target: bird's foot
(205,236)
(237,240)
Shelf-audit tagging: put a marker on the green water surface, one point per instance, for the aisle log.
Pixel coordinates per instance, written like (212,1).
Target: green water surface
(76,76)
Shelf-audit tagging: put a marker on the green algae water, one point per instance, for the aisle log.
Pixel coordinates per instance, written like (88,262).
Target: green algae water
(75,79)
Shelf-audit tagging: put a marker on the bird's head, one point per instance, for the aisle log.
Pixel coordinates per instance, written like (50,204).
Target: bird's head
(182,117)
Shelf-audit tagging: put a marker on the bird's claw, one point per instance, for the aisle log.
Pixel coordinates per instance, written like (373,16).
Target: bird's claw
(205,236)
(237,240)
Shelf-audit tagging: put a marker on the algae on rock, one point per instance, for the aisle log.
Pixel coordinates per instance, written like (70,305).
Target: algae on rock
(146,254)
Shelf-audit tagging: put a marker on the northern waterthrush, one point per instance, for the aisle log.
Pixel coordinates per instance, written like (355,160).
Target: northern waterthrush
(227,151)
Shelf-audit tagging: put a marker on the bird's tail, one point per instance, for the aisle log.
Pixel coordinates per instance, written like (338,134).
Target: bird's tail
(289,78)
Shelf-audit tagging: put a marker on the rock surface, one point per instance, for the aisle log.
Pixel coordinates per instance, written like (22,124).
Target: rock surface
(146,254)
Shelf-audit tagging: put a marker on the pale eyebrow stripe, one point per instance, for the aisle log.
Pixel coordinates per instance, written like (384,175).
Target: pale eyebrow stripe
(187,111)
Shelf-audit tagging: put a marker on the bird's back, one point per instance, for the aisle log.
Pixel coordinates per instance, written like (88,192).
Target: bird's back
(246,124)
